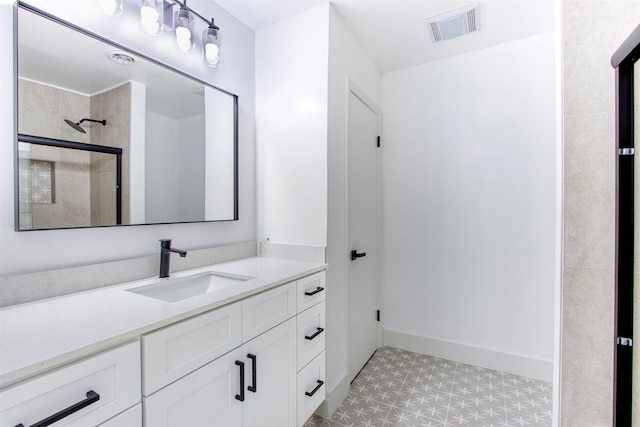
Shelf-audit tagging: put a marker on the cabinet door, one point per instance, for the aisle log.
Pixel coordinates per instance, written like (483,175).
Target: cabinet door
(273,404)
(206,397)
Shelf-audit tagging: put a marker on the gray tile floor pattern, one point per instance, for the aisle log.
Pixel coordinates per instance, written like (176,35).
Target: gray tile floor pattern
(398,388)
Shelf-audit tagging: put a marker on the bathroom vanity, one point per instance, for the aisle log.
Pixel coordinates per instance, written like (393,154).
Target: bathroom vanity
(246,350)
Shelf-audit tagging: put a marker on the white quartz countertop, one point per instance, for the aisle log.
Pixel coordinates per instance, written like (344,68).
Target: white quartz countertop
(46,334)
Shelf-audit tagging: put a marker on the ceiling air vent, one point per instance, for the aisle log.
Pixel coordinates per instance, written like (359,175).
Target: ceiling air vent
(453,24)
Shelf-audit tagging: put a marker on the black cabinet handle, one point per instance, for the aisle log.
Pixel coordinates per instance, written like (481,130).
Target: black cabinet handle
(318,289)
(92,397)
(355,255)
(254,371)
(318,332)
(312,392)
(240,396)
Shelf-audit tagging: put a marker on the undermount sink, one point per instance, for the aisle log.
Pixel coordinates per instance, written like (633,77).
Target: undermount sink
(179,288)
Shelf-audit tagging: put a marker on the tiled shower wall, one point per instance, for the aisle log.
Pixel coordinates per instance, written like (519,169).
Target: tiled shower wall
(114,106)
(42,110)
(593,30)
(84,183)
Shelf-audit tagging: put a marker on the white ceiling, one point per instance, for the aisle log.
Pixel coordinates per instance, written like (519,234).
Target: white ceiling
(394,32)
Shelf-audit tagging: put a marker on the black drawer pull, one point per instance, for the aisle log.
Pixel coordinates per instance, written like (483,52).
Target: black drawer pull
(254,372)
(312,392)
(92,397)
(318,332)
(318,289)
(240,396)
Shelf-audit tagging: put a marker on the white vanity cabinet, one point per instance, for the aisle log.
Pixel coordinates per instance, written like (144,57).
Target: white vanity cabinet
(310,345)
(253,385)
(238,366)
(84,393)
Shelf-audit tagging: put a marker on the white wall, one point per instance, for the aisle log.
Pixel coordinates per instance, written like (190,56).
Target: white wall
(469,199)
(303,66)
(162,167)
(64,248)
(347,60)
(192,167)
(291,128)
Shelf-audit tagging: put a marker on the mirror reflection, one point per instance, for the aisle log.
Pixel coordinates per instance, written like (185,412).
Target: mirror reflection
(107,138)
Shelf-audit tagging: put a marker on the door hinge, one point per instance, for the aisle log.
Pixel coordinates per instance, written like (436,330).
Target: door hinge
(627,342)
(626,151)
(378,142)
(378,315)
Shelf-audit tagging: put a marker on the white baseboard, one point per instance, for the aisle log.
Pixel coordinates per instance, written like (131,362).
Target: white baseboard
(478,356)
(334,399)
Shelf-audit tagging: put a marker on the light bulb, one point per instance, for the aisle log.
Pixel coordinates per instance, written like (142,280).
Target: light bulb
(183,38)
(109,7)
(211,52)
(149,19)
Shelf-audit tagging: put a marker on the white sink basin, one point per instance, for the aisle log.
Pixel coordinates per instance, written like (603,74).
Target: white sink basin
(179,288)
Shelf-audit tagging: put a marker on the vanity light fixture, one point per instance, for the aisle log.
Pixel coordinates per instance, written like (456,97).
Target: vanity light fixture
(155,16)
(211,41)
(111,7)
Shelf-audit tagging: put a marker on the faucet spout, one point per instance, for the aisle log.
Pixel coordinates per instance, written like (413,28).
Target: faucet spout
(165,256)
(179,252)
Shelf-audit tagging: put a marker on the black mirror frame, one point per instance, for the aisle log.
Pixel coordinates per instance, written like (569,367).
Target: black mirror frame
(22,5)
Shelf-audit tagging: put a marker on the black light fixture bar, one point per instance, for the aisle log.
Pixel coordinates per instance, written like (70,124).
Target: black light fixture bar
(202,18)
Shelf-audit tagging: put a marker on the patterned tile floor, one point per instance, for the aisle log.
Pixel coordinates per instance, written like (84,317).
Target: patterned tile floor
(398,388)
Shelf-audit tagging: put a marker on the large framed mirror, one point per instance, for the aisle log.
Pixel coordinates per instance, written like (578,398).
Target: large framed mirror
(107,137)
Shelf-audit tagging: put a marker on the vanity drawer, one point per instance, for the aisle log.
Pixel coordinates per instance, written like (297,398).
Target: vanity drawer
(107,383)
(130,418)
(268,309)
(175,351)
(311,333)
(311,388)
(311,290)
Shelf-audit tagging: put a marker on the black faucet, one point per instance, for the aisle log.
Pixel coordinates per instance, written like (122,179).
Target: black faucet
(165,256)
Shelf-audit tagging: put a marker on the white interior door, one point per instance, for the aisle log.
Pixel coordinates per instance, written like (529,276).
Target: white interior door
(362,232)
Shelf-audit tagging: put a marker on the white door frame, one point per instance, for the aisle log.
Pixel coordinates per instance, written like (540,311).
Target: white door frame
(353,88)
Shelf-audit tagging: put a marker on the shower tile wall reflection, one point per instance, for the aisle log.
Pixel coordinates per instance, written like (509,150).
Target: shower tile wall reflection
(84,193)
(114,106)
(42,110)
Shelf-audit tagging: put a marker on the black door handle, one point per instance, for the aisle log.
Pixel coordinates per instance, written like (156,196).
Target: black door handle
(355,255)
(240,396)
(92,397)
(254,372)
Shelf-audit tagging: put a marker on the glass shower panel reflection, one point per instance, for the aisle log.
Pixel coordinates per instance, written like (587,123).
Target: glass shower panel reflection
(66,187)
